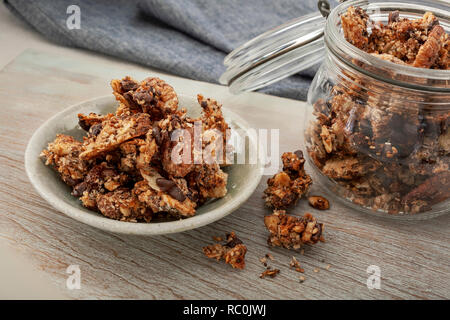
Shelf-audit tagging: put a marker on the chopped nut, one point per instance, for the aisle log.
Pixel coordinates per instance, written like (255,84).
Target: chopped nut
(319,202)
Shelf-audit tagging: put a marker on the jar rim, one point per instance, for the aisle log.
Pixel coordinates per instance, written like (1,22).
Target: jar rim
(348,53)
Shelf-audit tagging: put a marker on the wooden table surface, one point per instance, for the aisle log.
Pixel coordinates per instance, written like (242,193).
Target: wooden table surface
(414,257)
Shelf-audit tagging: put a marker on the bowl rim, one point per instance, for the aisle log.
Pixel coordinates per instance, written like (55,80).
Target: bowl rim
(123,227)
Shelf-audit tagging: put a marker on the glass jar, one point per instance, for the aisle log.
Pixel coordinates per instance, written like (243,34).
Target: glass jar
(376,132)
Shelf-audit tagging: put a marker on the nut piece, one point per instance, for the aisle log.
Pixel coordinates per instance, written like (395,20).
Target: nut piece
(233,251)
(291,232)
(296,265)
(319,202)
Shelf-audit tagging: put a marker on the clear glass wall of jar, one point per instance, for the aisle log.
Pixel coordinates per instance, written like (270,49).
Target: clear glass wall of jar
(377,132)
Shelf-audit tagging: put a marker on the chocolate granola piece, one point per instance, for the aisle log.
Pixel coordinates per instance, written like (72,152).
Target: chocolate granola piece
(233,251)
(100,179)
(354,24)
(209,181)
(123,205)
(87,121)
(152,95)
(216,131)
(114,132)
(137,154)
(286,187)
(429,51)
(129,153)
(348,168)
(291,232)
(173,201)
(63,154)
(177,146)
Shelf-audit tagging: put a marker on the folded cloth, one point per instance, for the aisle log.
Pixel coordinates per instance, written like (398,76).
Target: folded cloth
(187,38)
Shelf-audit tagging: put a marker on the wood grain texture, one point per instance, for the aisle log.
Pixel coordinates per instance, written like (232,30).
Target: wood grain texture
(414,257)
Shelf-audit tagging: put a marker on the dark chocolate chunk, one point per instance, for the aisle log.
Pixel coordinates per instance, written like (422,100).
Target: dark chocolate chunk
(165,184)
(177,194)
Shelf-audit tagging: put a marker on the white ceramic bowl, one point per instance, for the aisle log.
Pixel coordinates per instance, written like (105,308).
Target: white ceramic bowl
(242,178)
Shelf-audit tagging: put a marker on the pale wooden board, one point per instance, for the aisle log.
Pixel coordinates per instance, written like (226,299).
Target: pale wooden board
(414,257)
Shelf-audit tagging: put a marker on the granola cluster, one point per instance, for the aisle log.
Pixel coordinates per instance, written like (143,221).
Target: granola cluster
(286,187)
(232,251)
(389,152)
(130,167)
(292,232)
(421,43)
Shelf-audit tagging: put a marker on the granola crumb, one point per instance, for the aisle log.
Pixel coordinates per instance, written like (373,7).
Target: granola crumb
(316,270)
(296,265)
(302,279)
(263,261)
(270,256)
(232,251)
(328,267)
(269,273)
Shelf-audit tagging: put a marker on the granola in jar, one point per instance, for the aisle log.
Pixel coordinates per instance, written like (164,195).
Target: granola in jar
(381,142)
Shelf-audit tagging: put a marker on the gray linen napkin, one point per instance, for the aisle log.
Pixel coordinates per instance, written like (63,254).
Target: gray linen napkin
(187,38)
